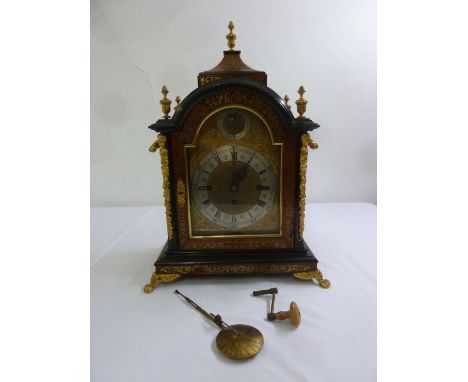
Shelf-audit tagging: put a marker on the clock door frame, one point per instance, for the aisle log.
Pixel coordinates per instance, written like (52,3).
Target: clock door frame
(270,110)
(222,141)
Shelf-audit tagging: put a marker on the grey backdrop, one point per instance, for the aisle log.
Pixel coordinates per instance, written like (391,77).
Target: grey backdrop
(329,47)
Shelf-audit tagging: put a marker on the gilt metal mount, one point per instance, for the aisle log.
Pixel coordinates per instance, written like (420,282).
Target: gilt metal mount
(317,275)
(156,278)
(231,37)
(301,103)
(165,103)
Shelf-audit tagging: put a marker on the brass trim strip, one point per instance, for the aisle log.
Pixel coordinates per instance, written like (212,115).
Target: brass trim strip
(307,142)
(160,144)
(234,268)
(180,193)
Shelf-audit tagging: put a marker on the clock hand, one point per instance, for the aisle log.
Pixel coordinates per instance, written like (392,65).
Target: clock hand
(243,171)
(234,181)
(238,175)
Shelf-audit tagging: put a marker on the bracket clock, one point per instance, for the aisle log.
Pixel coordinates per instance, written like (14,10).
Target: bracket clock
(234,160)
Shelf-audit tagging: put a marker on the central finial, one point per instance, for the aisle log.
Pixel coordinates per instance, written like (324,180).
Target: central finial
(231,37)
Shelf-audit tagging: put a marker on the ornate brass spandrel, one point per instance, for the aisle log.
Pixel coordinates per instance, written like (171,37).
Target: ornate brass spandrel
(231,37)
(181,193)
(316,274)
(156,277)
(203,80)
(307,142)
(301,103)
(160,143)
(165,103)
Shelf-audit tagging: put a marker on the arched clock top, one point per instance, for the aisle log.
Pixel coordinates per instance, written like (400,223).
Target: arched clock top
(238,91)
(239,117)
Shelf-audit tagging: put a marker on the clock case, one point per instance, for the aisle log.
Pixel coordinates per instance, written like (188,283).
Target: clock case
(232,82)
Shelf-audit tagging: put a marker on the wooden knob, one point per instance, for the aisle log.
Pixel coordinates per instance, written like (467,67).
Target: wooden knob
(294,314)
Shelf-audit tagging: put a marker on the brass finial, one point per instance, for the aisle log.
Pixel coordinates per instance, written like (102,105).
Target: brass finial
(165,103)
(177,99)
(301,102)
(231,37)
(286,99)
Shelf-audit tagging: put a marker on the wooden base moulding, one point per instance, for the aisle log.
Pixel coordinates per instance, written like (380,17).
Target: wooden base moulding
(171,265)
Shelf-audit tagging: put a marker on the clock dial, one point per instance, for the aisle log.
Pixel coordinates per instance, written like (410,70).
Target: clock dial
(234,186)
(233,123)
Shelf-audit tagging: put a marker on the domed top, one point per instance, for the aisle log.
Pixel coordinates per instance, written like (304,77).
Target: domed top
(231,66)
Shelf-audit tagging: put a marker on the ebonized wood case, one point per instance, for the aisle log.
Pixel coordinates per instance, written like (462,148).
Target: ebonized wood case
(232,85)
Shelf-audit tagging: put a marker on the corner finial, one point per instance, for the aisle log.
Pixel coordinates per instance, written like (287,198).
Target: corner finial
(231,37)
(301,103)
(177,100)
(165,103)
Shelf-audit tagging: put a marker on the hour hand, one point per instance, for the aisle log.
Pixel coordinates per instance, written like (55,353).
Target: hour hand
(234,181)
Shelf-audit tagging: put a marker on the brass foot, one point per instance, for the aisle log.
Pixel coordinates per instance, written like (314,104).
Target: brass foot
(155,278)
(317,275)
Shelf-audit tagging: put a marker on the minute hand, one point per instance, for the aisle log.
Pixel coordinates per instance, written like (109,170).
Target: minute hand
(242,172)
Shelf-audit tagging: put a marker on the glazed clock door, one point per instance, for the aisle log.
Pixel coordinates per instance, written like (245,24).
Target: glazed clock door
(234,177)
(235,165)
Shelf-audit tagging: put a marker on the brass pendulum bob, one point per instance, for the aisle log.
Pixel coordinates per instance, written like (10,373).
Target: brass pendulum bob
(292,314)
(234,341)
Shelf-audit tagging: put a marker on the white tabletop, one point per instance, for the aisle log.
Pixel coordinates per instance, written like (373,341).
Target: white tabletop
(159,337)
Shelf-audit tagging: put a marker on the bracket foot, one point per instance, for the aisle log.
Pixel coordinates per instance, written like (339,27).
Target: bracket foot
(317,275)
(155,278)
